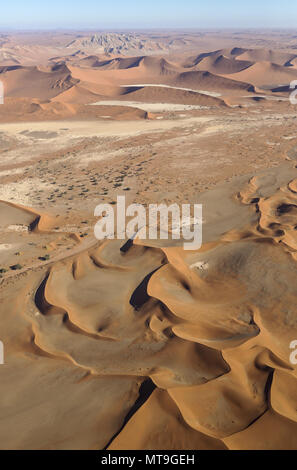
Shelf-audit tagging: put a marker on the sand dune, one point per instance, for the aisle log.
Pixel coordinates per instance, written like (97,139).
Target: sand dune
(158,65)
(138,343)
(223,65)
(266,55)
(30,82)
(169,95)
(216,339)
(266,75)
(221,61)
(170,430)
(120,63)
(209,81)
(89,61)
(13,214)
(67,107)
(80,78)
(77,94)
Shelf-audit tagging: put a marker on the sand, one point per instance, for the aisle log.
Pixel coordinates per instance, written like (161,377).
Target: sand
(202,92)
(139,344)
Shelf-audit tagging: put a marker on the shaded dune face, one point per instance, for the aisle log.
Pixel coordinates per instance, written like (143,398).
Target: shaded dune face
(63,84)
(206,332)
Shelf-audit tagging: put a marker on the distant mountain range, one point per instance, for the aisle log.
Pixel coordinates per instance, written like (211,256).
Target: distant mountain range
(116,43)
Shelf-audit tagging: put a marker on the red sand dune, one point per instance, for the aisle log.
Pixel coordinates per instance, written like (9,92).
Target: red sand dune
(266,75)
(208,81)
(222,65)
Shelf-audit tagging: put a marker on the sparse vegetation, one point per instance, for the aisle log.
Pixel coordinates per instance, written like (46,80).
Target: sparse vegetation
(16,267)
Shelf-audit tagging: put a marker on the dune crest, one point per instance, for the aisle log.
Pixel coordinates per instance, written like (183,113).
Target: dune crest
(139,343)
(210,329)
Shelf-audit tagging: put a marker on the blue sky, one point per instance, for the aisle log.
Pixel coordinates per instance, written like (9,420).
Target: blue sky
(113,14)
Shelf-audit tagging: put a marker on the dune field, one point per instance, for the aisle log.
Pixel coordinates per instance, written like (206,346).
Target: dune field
(138,343)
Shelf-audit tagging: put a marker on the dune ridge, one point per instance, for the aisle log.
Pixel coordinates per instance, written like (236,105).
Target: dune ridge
(239,352)
(210,328)
(84,78)
(138,343)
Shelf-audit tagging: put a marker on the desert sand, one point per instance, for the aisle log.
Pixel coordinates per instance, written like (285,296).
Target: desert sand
(139,344)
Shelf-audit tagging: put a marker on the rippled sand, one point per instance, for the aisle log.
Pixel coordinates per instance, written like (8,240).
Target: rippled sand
(151,347)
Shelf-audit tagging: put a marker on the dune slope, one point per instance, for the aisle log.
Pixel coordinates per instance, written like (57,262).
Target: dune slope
(195,343)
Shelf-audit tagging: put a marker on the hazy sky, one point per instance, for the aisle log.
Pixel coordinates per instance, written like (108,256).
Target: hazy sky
(113,14)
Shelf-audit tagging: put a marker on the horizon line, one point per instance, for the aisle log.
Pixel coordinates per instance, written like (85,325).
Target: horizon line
(147,28)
